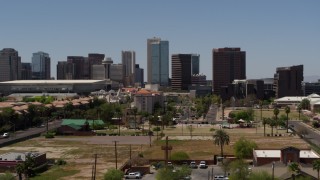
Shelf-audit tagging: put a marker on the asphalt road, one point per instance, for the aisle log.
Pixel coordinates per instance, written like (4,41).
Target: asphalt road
(196,174)
(21,134)
(313,135)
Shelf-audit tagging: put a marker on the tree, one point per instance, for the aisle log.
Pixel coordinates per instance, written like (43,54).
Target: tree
(299,108)
(276,113)
(168,174)
(316,166)
(221,138)
(157,129)
(190,129)
(113,174)
(287,110)
(293,168)
(243,148)
(135,111)
(272,123)
(261,175)
(26,167)
(305,104)
(264,122)
(239,169)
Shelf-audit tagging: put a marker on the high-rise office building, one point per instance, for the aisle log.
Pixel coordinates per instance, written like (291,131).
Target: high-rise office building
(195,64)
(41,65)
(10,65)
(79,71)
(94,59)
(129,61)
(139,76)
(288,81)
(117,72)
(228,64)
(65,70)
(158,61)
(26,71)
(181,71)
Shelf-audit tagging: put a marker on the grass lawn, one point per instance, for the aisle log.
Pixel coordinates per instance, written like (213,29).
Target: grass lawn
(56,172)
(268,113)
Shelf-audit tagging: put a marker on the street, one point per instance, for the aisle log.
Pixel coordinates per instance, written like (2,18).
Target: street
(312,134)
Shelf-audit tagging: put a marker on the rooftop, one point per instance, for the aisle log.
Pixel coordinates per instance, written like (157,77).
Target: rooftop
(277,153)
(51,81)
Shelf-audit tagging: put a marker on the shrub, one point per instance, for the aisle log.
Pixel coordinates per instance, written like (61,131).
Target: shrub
(180,155)
(162,134)
(61,162)
(49,135)
(316,124)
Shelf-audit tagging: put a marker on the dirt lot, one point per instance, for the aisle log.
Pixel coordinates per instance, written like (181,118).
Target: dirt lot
(79,151)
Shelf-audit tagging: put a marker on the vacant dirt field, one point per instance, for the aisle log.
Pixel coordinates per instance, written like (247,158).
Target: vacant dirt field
(79,151)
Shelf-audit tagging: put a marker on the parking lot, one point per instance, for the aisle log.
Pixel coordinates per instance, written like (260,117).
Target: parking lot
(198,174)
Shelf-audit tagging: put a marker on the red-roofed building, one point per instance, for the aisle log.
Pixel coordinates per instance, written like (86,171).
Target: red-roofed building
(145,100)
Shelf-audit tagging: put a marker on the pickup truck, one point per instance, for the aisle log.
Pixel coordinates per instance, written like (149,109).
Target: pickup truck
(133,175)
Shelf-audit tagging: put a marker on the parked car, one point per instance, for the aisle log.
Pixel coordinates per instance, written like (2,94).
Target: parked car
(193,165)
(220,177)
(170,164)
(133,175)
(202,164)
(5,135)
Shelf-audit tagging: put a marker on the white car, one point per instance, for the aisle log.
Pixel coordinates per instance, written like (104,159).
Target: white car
(5,135)
(202,164)
(133,175)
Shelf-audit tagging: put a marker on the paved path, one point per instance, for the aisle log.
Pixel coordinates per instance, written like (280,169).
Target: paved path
(313,135)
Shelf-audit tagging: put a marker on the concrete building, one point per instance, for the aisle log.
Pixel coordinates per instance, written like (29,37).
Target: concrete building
(10,65)
(199,79)
(129,61)
(53,86)
(181,71)
(94,59)
(288,81)
(26,72)
(41,65)
(310,88)
(158,61)
(139,76)
(228,64)
(98,72)
(195,64)
(117,72)
(268,88)
(145,100)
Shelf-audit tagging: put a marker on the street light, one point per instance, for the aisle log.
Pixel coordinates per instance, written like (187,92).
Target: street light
(273,170)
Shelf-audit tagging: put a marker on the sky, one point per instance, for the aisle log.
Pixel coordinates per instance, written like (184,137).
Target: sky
(273,33)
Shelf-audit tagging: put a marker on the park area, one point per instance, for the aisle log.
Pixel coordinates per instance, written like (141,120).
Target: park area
(194,139)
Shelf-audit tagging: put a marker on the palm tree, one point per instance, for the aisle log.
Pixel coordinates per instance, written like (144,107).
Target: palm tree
(276,113)
(293,168)
(272,122)
(118,112)
(221,138)
(299,110)
(287,110)
(135,111)
(264,122)
(316,166)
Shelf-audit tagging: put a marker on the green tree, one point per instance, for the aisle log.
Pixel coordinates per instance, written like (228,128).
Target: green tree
(261,175)
(113,174)
(265,121)
(239,170)
(316,166)
(190,129)
(294,168)
(26,167)
(299,108)
(276,113)
(243,148)
(287,110)
(221,138)
(305,104)
(167,173)
(272,123)
(156,129)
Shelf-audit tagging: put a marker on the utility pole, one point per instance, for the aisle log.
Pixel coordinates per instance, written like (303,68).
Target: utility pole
(95,167)
(115,153)
(130,155)
(166,149)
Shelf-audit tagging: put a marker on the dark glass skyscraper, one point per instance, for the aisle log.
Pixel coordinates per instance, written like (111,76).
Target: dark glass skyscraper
(181,71)
(228,64)
(41,65)
(10,65)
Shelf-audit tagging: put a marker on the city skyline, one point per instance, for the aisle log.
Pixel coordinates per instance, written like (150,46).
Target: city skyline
(274,34)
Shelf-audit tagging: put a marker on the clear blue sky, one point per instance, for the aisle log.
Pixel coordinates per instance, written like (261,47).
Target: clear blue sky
(273,33)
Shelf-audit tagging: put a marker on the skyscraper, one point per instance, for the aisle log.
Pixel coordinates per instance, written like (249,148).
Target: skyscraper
(195,64)
(129,61)
(10,65)
(26,71)
(228,64)
(94,59)
(158,61)
(79,71)
(288,81)
(139,76)
(40,65)
(181,71)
